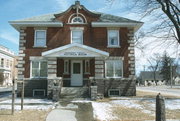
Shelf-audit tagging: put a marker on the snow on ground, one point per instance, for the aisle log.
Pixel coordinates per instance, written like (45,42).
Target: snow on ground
(102,110)
(29,103)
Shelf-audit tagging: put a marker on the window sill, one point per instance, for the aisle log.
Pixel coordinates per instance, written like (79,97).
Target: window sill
(39,46)
(38,78)
(87,73)
(113,46)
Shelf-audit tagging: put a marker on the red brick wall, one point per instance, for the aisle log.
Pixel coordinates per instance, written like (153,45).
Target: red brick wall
(92,36)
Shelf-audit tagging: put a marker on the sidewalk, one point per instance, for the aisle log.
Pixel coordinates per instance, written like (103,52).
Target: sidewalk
(71,111)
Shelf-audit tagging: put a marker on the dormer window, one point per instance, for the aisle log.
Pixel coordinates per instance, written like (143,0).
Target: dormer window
(77,19)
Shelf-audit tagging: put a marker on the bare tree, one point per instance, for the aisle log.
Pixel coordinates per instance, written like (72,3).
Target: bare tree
(165,15)
(154,62)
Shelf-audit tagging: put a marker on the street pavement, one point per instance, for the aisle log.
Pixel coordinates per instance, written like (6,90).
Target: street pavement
(174,91)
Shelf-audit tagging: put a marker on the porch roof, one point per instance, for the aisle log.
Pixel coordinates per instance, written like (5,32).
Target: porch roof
(75,50)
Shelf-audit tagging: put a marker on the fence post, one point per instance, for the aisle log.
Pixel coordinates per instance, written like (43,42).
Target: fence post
(22,95)
(13,95)
(160,108)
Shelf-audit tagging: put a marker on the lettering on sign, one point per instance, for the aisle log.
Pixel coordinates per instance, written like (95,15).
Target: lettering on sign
(75,53)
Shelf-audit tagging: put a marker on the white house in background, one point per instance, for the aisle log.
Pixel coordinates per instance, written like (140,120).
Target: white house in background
(7,65)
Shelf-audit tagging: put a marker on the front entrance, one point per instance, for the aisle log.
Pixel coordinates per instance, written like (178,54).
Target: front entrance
(76,73)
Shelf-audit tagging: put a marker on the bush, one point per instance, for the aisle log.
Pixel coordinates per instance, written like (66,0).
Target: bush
(1,78)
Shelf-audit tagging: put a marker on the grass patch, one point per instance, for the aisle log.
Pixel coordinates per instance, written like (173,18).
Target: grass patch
(131,114)
(25,115)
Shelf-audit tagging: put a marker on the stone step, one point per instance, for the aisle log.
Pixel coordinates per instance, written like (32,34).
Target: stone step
(74,92)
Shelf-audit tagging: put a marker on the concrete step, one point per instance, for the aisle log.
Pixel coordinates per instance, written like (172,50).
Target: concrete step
(74,92)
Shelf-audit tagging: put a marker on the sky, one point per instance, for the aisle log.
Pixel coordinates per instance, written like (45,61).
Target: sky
(19,9)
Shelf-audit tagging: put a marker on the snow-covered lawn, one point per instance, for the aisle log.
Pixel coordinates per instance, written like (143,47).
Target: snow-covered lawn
(107,110)
(29,103)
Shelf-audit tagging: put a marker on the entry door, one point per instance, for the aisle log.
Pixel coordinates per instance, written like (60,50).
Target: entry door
(76,73)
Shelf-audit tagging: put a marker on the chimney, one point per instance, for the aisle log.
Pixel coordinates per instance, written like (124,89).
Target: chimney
(77,2)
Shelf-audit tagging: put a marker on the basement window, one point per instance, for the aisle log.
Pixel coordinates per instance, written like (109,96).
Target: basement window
(113,92)
(38,93)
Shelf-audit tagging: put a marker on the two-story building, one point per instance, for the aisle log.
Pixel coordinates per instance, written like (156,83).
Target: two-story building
(8,61)
(75,45)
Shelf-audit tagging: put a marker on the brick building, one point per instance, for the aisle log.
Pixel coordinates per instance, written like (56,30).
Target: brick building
(75,45)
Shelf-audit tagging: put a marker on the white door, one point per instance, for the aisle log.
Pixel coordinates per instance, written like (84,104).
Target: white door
(76,73)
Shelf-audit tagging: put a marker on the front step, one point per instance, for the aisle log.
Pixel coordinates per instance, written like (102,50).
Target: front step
(74,92)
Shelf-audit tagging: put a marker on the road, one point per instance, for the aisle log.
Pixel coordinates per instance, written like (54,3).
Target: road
(175,91)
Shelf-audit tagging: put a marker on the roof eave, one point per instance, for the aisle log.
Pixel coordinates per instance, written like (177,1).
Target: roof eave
(136,26)
(18,24)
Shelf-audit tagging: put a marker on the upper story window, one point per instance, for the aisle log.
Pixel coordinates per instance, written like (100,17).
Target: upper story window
(77,19)
(2,62)
(77,35)
(40,38)
(113,38)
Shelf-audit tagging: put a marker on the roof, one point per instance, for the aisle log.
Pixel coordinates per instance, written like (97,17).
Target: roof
(150,75)
(50,19)
(75,50)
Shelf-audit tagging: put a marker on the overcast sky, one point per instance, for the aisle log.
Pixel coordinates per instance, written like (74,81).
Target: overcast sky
(19,9)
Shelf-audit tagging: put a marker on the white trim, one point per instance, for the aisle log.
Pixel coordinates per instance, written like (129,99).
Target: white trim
(49,52)
(66,72)
(69,19)
(72,20)
(17,25)
(87,61)
(136,26)
(118,39)
(35,39)
(77,29)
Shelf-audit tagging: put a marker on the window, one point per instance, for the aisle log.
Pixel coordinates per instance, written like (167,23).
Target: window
(77,19)
(113,92)
(2,62)
(40,38)
(77,36)
(113,38)
(87,66)
(7,63)
(66,66)
(114,68)
(38,69)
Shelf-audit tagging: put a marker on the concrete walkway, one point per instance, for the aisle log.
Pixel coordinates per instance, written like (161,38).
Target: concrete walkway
(61,115)
(71,111)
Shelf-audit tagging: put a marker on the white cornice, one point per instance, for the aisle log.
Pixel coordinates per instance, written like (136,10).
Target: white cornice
(17,24)
(136,26)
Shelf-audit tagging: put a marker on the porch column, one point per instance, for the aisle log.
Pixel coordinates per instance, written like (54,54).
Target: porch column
(52,69)
(99,67)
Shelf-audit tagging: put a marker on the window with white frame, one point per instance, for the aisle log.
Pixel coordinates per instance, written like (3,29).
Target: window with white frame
(87,66)
(114,68)
(77,19)
(66,66)
(38,69)
(77,36)
(113,38)
(40,38)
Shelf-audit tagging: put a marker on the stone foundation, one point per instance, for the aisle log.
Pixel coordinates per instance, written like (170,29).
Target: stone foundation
(30,85)
(127,87)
